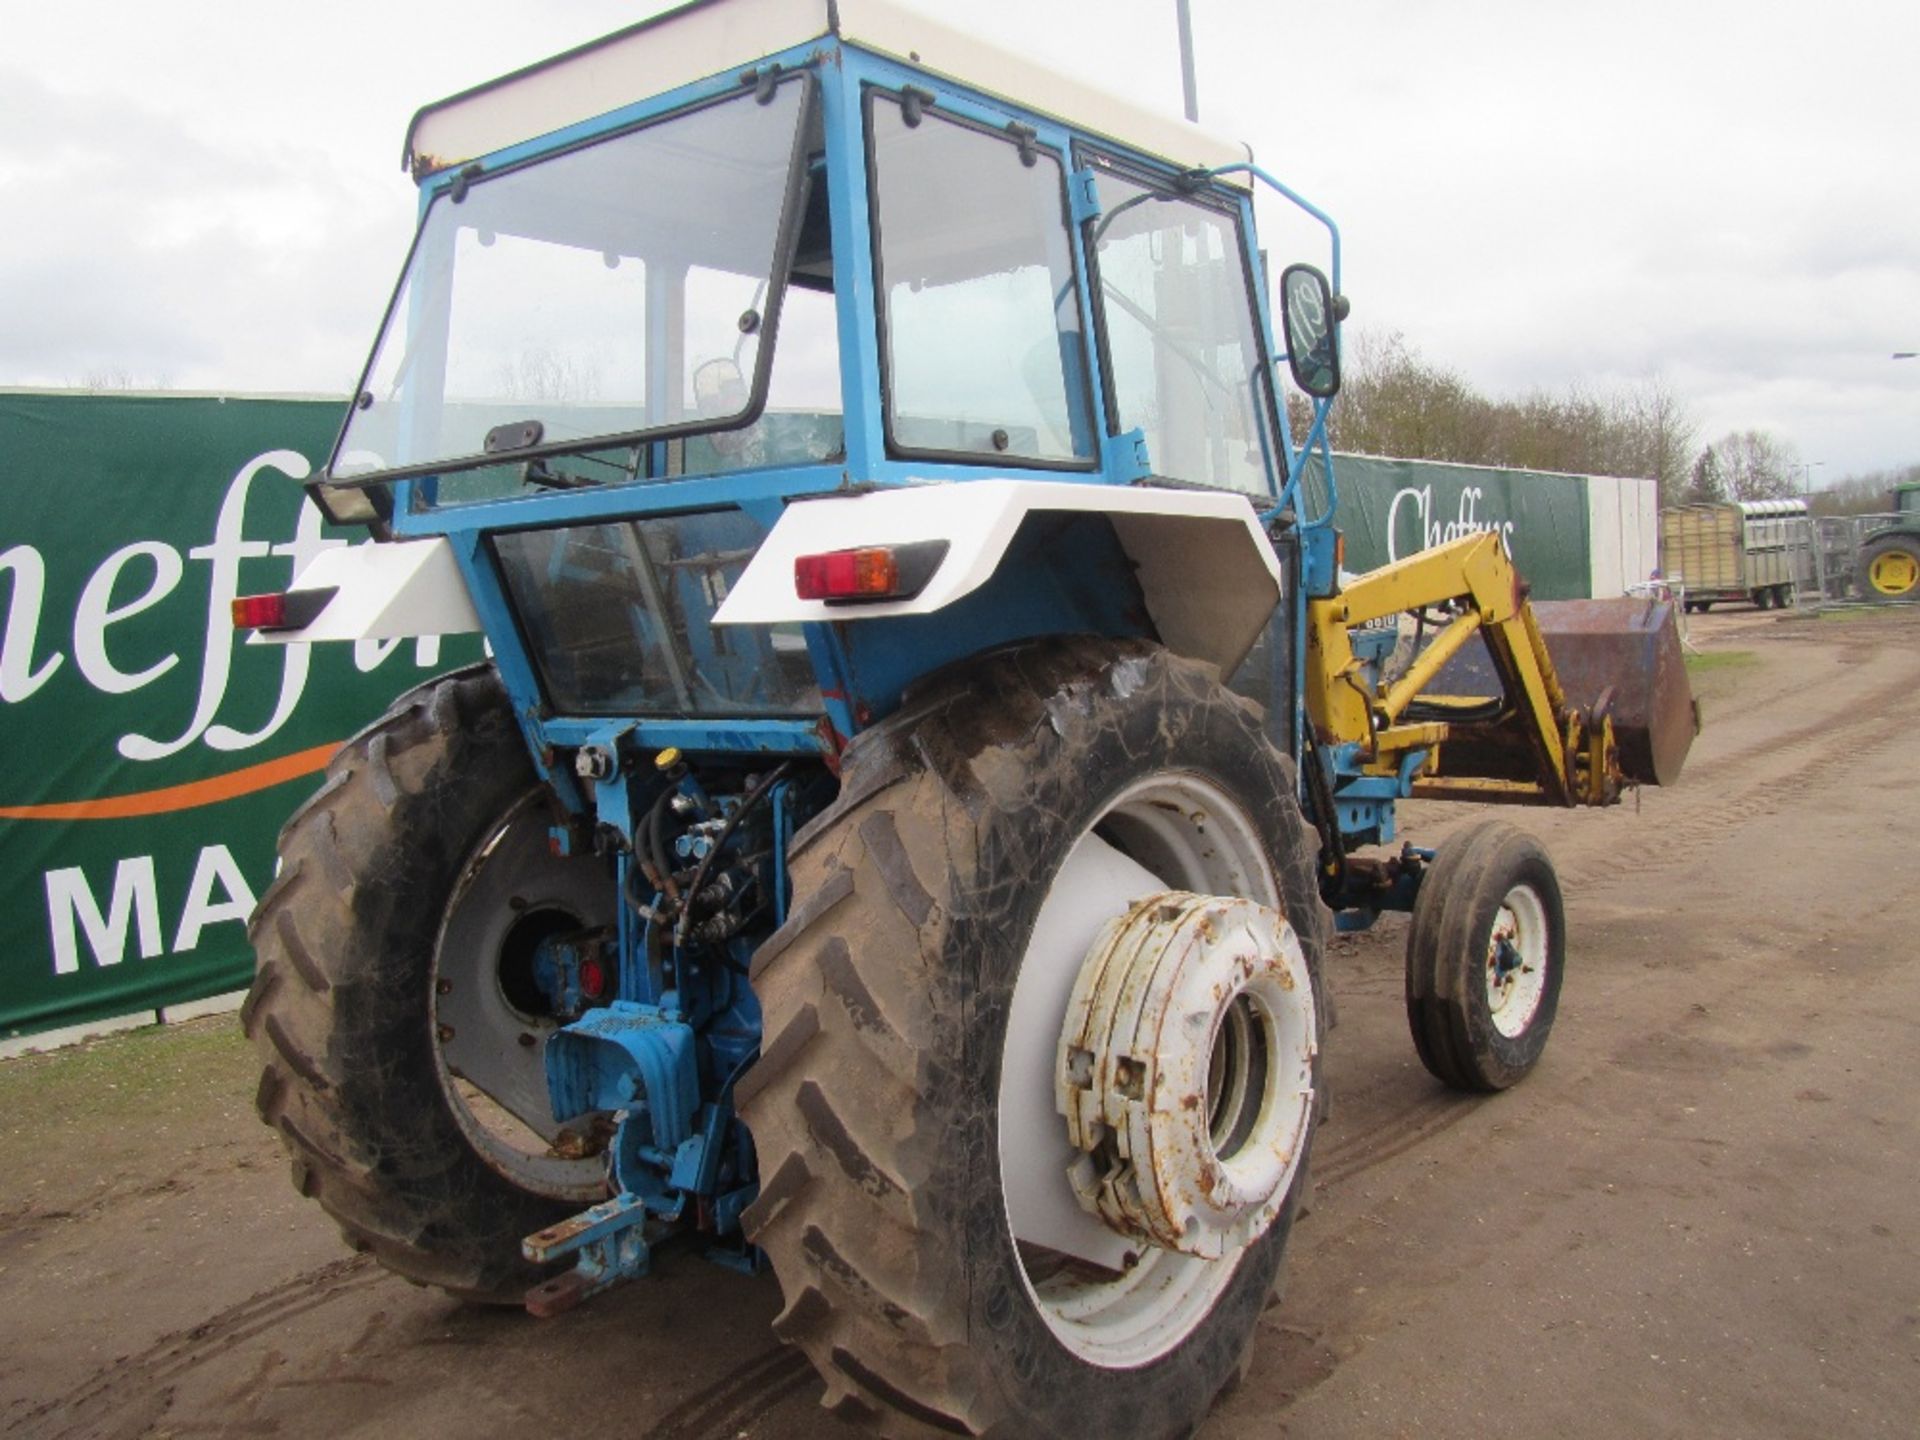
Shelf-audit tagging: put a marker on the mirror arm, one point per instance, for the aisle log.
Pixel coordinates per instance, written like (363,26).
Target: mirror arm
(1247,167)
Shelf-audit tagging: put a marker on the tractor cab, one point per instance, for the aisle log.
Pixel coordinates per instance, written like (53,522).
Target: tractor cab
(634,333)
(829,257)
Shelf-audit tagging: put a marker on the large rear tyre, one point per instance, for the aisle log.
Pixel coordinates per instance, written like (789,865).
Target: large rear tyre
(1485,954)
(1890,568)
(394,1007)
(897,1110)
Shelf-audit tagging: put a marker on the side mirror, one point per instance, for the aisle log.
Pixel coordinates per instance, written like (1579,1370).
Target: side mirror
(1309,313)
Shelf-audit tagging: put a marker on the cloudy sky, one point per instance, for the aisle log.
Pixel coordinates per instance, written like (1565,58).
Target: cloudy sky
(1534,192)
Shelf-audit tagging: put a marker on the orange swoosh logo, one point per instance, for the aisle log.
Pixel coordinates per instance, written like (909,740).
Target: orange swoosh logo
(182,797)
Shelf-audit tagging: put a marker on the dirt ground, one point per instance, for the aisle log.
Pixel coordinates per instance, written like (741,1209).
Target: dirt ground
(1698,1217)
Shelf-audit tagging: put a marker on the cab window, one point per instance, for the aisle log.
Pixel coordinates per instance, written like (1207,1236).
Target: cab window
(980,326)
(1183,362)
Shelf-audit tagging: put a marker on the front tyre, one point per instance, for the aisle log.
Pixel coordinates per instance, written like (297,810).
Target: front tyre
(395,1006)
(904,1109)
(1485,954)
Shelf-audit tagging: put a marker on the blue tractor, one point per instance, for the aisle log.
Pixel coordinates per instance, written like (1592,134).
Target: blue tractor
(877,846)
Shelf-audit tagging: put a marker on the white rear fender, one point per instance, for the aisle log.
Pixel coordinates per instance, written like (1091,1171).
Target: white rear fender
(386,591)
(1208,574)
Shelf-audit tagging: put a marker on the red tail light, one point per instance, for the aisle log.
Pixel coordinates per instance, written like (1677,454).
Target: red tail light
(289,610)
(259,612)
(874,572)
(847,575)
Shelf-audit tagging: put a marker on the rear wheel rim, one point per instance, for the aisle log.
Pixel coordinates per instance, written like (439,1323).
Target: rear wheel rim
(488,1035)
(1894,572)
(1518,944)
(1183,833)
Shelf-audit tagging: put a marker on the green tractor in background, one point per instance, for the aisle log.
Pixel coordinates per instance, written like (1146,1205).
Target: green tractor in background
(1890,555)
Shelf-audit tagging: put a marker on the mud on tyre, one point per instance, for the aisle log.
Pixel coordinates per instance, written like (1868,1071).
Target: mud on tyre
(874,1107)
(413,886)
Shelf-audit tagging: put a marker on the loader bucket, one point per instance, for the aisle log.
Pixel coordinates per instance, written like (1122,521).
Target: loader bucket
(1630,646)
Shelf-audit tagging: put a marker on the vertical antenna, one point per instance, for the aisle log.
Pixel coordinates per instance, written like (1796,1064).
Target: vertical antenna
(1186,59)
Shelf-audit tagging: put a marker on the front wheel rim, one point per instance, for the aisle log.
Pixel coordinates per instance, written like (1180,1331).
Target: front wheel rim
(1518,946)
(1174,831)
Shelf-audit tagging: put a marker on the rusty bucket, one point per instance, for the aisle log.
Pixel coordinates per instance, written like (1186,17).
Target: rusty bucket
(1629,646)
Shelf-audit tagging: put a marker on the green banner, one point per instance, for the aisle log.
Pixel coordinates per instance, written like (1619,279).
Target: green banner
(1390,509)
(150,754)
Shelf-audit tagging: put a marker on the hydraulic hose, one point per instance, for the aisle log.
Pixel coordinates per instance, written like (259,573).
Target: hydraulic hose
(699,881)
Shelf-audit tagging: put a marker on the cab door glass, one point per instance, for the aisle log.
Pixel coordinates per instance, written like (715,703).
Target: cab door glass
(1183,362)
(980,316)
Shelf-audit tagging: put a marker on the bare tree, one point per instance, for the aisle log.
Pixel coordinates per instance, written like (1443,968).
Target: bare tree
(119,380)
(545,374)
(1396,402)
(1867,494)
(1661,431)
(1754,465)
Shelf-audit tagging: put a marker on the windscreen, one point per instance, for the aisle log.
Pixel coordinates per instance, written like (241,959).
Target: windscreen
(620,288)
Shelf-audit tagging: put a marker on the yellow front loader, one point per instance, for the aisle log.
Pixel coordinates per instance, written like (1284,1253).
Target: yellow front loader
(1563,703)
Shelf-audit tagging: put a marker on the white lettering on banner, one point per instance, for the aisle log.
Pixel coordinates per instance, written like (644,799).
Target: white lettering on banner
(215,865)
(306,544)
(97,610)
(71,903)
(18,679)
(224,555)
(1466,522)
(73,909)
(368,654)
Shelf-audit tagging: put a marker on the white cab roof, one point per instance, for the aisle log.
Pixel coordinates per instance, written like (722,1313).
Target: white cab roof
(710,37)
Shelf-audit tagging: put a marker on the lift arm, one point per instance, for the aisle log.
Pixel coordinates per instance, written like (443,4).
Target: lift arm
(1531,747)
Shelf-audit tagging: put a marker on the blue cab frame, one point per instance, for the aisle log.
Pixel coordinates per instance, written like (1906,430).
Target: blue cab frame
(843,73)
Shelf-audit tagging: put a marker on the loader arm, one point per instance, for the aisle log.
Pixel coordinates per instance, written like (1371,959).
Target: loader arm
(1395,729)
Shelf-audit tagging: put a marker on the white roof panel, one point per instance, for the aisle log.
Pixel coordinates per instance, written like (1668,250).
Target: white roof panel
(711,37)
(908,35)
(651,58)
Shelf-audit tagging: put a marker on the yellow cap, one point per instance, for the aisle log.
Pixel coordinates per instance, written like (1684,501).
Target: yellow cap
(667,758)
